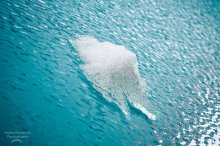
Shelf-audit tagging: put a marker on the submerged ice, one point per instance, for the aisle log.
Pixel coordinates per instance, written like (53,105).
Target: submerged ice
(113,70)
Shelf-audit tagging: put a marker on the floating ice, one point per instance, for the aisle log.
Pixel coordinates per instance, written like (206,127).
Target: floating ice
(113,70)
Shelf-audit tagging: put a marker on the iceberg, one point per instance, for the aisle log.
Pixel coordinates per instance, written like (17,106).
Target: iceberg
(113,70)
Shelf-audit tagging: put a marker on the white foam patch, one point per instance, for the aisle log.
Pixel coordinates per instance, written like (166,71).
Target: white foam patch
(113,70)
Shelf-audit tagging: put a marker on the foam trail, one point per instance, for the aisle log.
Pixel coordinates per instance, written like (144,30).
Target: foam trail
(113,70)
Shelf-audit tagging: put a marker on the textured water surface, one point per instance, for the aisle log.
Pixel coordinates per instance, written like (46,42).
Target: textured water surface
(44,90)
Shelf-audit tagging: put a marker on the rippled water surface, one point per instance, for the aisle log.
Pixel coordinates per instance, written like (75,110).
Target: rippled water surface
(44,91)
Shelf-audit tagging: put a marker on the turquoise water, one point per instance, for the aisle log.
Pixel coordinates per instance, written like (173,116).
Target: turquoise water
(45,92)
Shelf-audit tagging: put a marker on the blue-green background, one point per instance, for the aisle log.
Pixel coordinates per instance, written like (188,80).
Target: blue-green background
(43,90)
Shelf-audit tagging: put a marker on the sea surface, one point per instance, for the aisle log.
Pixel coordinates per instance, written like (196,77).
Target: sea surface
(47,99)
